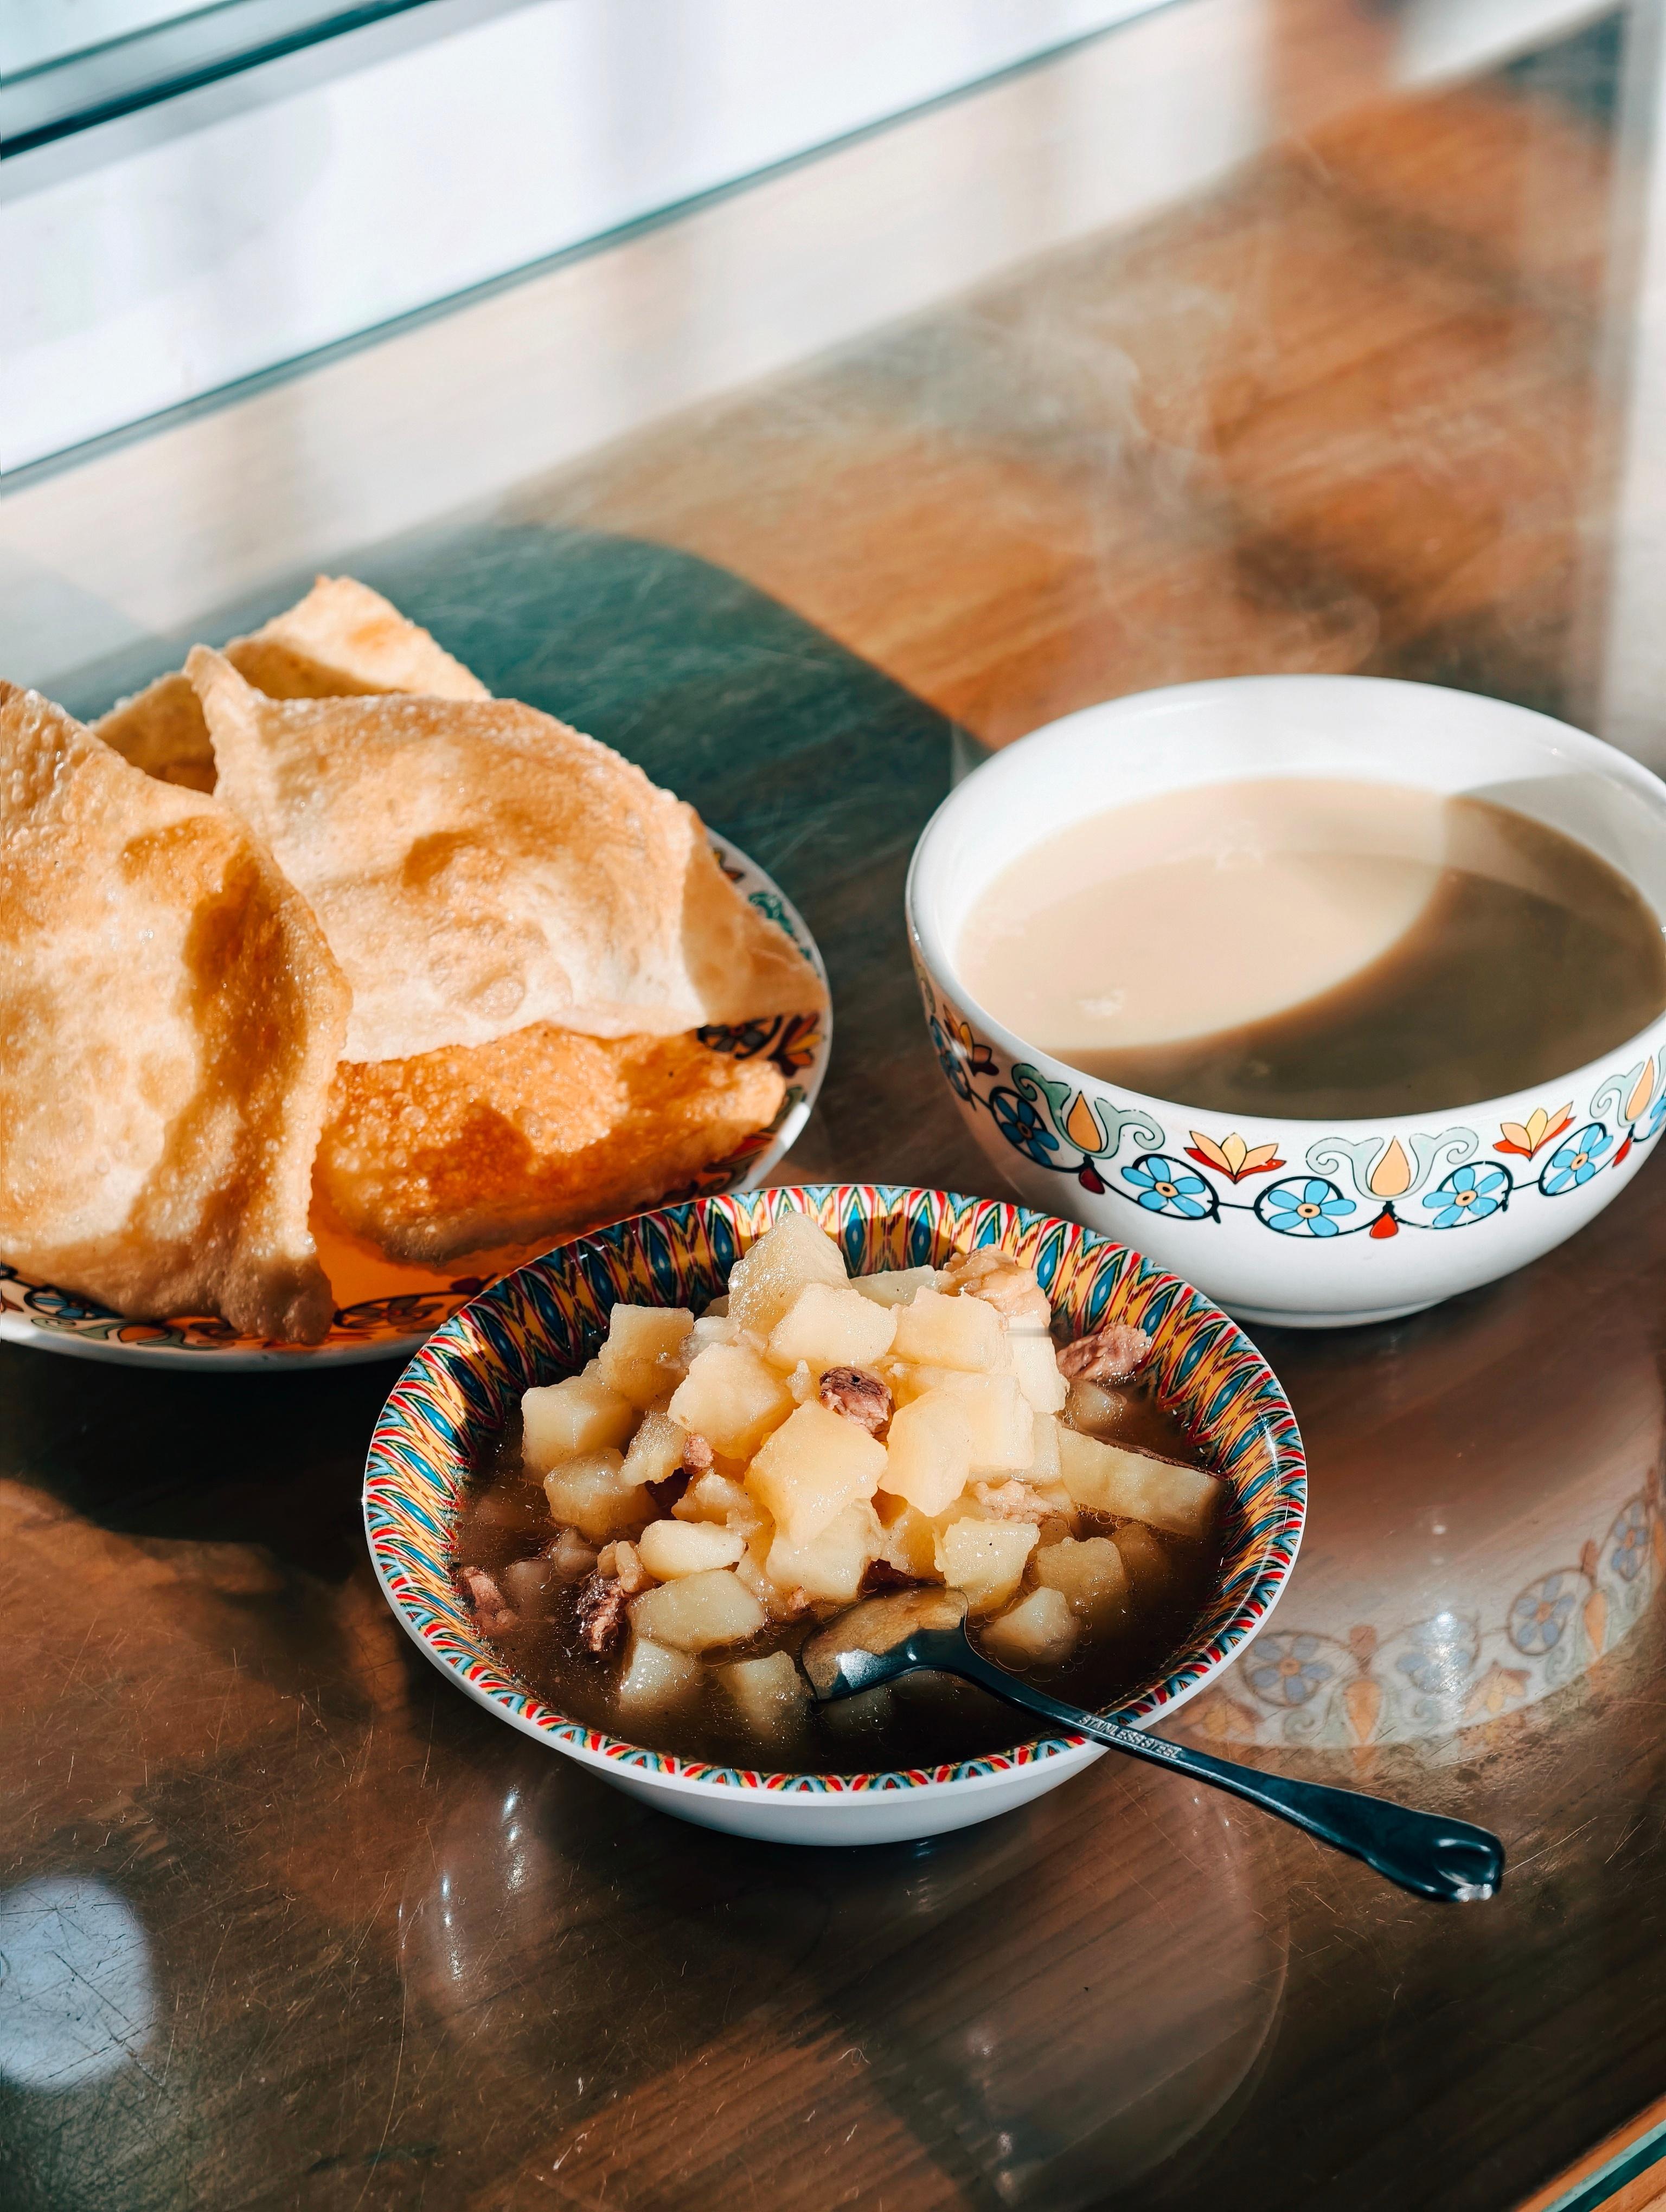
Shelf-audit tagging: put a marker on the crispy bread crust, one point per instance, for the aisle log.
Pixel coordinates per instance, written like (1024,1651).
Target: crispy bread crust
(542,1132)
(170,1020)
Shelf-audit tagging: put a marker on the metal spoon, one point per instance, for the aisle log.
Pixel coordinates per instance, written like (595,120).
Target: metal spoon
(883,1638)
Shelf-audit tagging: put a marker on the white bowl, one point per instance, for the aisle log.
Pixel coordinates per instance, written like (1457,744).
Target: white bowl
(1310,1223)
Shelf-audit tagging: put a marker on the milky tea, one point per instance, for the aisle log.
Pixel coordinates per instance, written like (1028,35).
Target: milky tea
(1316,948)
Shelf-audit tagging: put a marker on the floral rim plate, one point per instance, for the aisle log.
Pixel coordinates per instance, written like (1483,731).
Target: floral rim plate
(393,1324)
(544,1319)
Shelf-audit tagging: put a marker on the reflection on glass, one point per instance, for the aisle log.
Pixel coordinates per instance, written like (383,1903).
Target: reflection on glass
(1045,2008)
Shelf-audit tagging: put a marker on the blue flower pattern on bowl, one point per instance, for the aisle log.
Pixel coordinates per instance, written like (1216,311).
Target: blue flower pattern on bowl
(1468,1194)
(1068,1128)
(1022,1126)
(1163,1185)
(1577,1160)
(1541,1613)
(1286,1670)
(1303,1205)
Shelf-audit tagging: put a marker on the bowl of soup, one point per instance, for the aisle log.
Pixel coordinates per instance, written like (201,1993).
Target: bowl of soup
(1335,996)
(612,1497)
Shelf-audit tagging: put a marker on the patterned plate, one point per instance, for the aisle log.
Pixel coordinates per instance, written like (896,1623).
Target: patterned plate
(386,1309)
(546,1319)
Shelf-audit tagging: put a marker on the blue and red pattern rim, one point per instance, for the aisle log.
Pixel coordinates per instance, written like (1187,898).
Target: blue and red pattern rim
(421,1452)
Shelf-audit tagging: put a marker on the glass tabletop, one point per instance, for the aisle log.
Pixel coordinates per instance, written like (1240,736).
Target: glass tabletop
(1307,335)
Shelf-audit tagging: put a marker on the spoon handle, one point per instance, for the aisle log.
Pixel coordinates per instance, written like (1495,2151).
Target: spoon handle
(1424,1852)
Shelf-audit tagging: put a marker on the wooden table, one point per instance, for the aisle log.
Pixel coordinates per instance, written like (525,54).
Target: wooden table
(307,1930)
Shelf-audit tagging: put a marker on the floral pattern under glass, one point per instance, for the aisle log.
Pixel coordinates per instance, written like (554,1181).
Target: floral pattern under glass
(1163,1186)
(1442,1654)
(1628,1541)
(1541,1613)
(1577,1160)
(1468,1194)
(1303,1205)
(1286,1670)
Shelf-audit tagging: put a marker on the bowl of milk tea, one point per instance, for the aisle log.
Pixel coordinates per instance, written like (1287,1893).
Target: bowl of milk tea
(1334,995)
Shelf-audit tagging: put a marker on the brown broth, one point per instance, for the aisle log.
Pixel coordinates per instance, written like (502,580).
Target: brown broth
(927,1721)
(1316,948)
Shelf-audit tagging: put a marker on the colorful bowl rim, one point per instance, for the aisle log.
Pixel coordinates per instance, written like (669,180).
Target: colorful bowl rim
(462,1340)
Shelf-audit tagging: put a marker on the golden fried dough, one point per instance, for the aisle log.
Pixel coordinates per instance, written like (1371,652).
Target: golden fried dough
(477,866)
(342,639)
(541,1132)
(170,1020)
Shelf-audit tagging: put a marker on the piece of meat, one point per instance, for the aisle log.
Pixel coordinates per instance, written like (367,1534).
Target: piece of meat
(486,1601)
(698,1454)
(601,1614)
(859,1395)
(1000,1282)
(665,1494)
(1012,1501)
(880,1575)
(1112,1354)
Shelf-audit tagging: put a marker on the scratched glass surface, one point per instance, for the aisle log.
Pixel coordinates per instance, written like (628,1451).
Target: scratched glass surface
(284,1922)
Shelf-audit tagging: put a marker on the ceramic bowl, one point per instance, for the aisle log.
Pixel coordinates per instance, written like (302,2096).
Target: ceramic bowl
(545,1320)
(1310,1223)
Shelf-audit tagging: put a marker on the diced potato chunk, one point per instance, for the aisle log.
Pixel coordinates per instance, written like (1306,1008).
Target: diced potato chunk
(1090,1575)
(1039,1630)
(1150,1568)
(697,1612)
(894,1286)
(720,1498)
(669,1549)
(928,1458)
(910,1539)
(637,1338)
(908,1381)
(830,1325)
(1001,1421)
(621,1562)
(768,1277)
(771,1693)
(1109,1478)
(655,1678)
(562,1419)
(985,1559)
(592,1495)
(656,1450)
(1045,1465)
(1095,1410)
(935,1330)
(731,1399)
(779,1601)
(1036,1366)
(814,1465)
(831,1567)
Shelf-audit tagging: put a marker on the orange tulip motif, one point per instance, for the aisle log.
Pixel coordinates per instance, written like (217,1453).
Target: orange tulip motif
(1536,1133)
(1232,1156)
